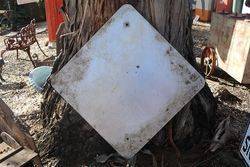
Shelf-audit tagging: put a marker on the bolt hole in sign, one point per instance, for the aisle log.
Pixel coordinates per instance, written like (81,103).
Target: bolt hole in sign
(127,81)
(245,148)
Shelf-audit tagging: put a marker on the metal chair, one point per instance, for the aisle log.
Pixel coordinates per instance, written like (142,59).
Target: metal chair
(22,41)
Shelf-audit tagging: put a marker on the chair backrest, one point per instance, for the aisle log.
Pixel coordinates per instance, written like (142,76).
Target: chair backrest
(28,33)
(23,39)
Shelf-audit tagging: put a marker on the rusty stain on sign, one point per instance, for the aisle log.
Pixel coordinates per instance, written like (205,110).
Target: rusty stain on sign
(127,82)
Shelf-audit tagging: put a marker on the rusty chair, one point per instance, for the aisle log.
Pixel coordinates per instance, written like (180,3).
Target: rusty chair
(22,41)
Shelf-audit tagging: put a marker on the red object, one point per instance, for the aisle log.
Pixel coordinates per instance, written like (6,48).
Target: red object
(53,16)
(224,6)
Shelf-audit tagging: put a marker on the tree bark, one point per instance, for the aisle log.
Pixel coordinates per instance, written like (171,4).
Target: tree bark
(66,132)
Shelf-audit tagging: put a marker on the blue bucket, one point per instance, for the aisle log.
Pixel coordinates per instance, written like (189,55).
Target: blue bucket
(38,77)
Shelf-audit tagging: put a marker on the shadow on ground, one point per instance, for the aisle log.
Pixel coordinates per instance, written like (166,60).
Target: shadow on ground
(12,86)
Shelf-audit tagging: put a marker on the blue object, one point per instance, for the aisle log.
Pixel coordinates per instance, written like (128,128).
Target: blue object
(38,77)
(1,62)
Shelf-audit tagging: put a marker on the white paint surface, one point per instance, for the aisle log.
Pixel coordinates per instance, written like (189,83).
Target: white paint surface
(127,82)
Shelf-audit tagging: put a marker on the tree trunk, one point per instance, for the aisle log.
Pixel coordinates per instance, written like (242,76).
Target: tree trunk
(68,138)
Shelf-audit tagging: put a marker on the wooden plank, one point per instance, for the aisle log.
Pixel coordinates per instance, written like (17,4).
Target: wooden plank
(246,78)
(10,124)
(230,38)
(19,159)
(9,140)
(5,150)
(9,153)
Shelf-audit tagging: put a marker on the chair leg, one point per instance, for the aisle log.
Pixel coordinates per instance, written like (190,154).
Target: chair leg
(29,54)
(1,65)
(1,78)
(41,48)
(17,54)
(2,52)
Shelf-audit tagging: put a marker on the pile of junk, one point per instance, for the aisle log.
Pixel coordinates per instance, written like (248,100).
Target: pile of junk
(14,15)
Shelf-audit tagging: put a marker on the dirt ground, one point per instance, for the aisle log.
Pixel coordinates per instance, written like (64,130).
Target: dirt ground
(17,92)
(232,98)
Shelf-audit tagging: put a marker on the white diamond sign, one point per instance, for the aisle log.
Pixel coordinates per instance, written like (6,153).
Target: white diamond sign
(127,81)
